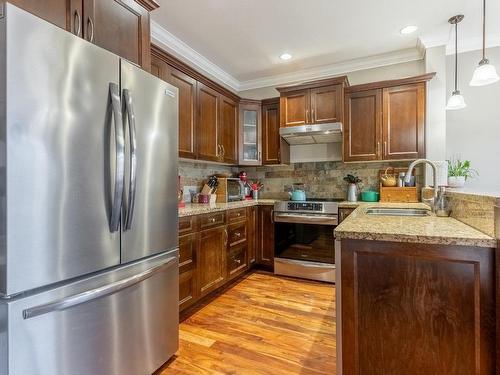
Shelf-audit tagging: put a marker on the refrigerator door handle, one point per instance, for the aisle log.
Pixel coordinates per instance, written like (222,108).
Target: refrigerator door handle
(90,295)
(129,107)
(114,93)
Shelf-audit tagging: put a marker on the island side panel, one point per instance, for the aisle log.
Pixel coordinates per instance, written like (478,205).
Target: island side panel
(410,308)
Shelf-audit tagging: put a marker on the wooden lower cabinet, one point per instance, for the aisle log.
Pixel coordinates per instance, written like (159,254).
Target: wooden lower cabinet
(344,212)
(188,247)
(218,247)
(265,236)
(433,312)
(211,260)
(252,235)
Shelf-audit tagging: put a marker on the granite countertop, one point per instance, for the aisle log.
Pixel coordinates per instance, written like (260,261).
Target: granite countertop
(430,229)
(200,208)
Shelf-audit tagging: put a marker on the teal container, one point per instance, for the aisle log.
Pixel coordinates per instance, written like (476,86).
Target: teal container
(370,196)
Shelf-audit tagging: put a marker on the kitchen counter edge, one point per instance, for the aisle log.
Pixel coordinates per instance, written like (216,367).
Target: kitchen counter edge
(428,230)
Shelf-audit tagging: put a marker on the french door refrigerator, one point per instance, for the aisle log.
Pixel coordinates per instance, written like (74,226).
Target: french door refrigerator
(88,208)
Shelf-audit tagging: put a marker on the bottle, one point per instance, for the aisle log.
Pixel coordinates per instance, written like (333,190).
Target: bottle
(401,179)
(441,207)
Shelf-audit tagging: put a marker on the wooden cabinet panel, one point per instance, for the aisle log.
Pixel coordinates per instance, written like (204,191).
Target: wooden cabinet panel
(212,220)
(120,26)
(236,261)
(274,149)
(326,104)
(187,224)
(404,122)
(265,230)
(66,14)
(294,108)
(435,304)
(211,259)
(227,132)
(237,214)
(207,125)
(188,292)
(363,126)
(237,233)
(187,111)
(344,212)
(252,234)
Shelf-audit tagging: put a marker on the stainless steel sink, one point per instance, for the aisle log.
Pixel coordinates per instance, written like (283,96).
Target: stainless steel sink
(390,211)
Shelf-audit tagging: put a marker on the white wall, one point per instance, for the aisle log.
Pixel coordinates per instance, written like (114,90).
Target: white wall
(474,132)
(435,125)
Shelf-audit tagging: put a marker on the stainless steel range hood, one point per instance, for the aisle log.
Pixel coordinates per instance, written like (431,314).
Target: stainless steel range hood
(312,134)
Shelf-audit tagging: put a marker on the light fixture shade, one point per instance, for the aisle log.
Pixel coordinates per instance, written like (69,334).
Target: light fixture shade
(485,74)
(456,101)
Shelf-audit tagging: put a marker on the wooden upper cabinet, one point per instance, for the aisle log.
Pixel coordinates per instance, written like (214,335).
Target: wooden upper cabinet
(363,126)
(404,122)
(120,26)
(187,103)
(386,120)
(272,143)
(250,133)
(187,111)
(227,134)
(207,124)
(318,102)
(295,108)
(326,104)
(66,14)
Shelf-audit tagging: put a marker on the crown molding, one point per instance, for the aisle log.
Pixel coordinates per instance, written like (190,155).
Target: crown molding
(178,48)
(169,42)
(336,69)
(464,44)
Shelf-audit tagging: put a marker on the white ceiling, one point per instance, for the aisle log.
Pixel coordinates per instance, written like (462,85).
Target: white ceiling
(239,41)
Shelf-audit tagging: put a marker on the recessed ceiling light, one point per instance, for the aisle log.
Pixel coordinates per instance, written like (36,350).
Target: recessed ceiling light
(408,29)
(285,56)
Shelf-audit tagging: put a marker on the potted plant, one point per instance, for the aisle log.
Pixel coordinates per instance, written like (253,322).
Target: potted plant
(352,189)
(459,171)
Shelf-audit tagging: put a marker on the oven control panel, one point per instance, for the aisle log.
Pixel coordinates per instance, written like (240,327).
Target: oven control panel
(305,206)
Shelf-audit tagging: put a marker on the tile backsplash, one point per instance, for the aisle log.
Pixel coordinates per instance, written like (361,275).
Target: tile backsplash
(196,174)
(321,179)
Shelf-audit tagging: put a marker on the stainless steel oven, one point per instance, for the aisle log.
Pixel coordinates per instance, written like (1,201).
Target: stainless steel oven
(304,239)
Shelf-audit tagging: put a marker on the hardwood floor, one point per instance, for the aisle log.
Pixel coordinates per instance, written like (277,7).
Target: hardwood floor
(262,325)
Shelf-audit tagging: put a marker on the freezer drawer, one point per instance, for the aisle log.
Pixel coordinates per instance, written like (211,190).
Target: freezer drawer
(122,322)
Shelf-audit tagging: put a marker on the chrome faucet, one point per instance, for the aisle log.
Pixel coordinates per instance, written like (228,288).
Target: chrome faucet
(431,202)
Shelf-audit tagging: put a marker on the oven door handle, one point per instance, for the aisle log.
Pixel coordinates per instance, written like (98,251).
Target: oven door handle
(306,219)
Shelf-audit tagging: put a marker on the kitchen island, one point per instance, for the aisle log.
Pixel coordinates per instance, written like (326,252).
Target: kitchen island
(415,295)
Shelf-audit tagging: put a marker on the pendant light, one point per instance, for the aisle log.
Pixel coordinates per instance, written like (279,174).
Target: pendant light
(456,100)
(485,73)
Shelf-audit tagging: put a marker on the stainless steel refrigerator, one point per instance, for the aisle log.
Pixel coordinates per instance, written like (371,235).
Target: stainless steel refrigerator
(88,207)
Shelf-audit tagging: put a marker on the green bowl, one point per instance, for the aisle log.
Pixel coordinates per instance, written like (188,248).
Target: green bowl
(370,196)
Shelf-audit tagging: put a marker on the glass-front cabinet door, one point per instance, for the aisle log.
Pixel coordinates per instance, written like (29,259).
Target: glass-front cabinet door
(250,133)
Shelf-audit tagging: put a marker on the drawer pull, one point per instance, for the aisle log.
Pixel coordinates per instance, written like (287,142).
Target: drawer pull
(212,220)
(237,234)
(238,261)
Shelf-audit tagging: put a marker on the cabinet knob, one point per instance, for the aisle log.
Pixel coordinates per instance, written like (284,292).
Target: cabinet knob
(237,234)
(238,261)
(212,220)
